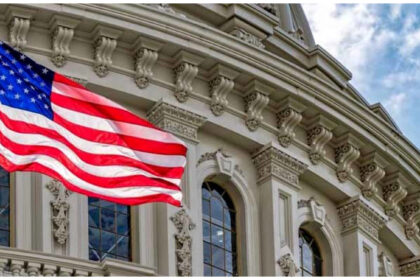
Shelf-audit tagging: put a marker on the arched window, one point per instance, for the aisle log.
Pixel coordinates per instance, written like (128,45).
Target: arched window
(4,208)
(310,256)
(219,232)
(109,230)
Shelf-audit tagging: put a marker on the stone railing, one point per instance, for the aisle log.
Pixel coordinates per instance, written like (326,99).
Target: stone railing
(16,262)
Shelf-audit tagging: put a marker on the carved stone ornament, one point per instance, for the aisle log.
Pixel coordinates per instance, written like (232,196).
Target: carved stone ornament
(371,172)
(393,193)
(346,153)
(60,45)
(318,135)
(288,265)
(219,88)
(18,30)
(317,210)
(176,120)
(183,239)
(145,60)
(167,9)
(104,48)
(289,116)
(357,214)
(269,7)
(385,265)
(59,210)
(184,75)
(212,156)
(256,99)
(247,37)
(411,213)
(270,161)
(410,267)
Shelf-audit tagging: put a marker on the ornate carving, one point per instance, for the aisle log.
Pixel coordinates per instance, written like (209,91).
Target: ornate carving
(18,30)
(289,116)
(370,174)
(393,194)
(145,60)
(16,267)
(60,210)
(270,161)
(220,86)
(410,267)
(104,48)
(247,37)
(346,153)
(288,265)
(317,210)
(184,225)
(60,45)
(212,156)
(357,214)
(184,75)
(269,7)
(33,269)
(255,102)
(176,120)
(411,213)
(167,9)
(317,137)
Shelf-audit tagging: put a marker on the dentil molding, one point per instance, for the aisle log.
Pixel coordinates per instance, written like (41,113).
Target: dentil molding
(318,135)
(347,151)
(256,99)
(372,170)
(288,116)
(270,161)
(176,120)
(393,193)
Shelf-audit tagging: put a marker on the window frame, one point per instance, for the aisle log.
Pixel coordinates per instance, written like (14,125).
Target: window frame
(312,244)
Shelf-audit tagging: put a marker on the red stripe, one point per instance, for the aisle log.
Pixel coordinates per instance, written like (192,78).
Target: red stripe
(105,182)
(133,143)
(61,79)
(36,167)
(94,159)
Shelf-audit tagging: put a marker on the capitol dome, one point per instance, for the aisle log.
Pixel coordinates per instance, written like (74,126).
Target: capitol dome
(290,171)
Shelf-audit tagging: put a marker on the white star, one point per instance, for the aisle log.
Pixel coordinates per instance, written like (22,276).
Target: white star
(45,106)
(26,80)
(2,92)
(43,95)
(33,100)
(32,87)
(9,87)
(26,90)
(14,61)
(17,96)
(35,75)
(5,64)
(3,77)
(20,70)
(22,57)
(39,96)
(7,51)
(44,71)
(42,84)
(29,66)
(11,72)
(19,81)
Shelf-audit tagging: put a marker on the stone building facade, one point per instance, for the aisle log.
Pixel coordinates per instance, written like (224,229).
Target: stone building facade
(290,171)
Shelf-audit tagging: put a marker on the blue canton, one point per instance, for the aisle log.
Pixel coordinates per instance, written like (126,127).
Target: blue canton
(24,84)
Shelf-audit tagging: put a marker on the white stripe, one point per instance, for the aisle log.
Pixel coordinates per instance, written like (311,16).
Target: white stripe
(93,147)
(108,125)
(123,192)
(107,171)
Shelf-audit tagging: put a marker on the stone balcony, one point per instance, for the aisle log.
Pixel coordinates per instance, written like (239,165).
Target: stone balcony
(16,262)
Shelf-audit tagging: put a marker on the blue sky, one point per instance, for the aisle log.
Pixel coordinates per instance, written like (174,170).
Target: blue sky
(380,45)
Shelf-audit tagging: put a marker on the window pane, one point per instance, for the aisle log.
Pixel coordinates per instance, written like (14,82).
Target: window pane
(122,224)
(93,216)
(228,240)
(218,272)
(4,238)
(107,219)
(207,253)
(123,247)
(217,237)
(206,209)
(216,211)
(122,208)
(108,242)
(311,261)
(206,231)
(207,270)
(218,256)
(4,178)
(227,222)
(107,204)
(94,238)
(4,196)
(229,262)
(307,257)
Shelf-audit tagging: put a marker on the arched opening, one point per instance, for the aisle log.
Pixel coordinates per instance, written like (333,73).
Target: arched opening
(310,255)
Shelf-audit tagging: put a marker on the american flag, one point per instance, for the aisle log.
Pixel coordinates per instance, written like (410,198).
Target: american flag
(53,125)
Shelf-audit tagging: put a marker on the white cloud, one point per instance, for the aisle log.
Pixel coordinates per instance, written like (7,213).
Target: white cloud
(395,11)
(395,103)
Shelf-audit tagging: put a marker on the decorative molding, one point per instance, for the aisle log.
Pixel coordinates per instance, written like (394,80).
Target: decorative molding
(346,153)
(145,60)
(318,135)
(18,30)
(357,214)
(393,193)
(371,172)
(247,37)
(411,213)
(270,161)
(410,267)
(62,31)
(212,156)
(226,164)
(221,84)
(176,120)
(167,9)
(256,99)
(317,210)
(59,210)
(385,265)
(104,46)
(186,68)
(184,225)
(288,116)
(269,7)
(287,265)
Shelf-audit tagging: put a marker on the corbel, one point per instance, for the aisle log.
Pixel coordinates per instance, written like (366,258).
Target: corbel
(347,151)
(256,99)
(372,170)
(393,193)
(105,39)
(319,133)
(221,84)
(288,116)
(146,55)
(62,31)
(411,213)
(186,68)
(19,21)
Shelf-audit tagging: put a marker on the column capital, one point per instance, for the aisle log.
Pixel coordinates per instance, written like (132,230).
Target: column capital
(270,161)
(356,214)
(176,120)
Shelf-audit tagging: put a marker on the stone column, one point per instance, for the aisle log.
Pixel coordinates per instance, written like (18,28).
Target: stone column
(361,225)
(278,183)
(184,124)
